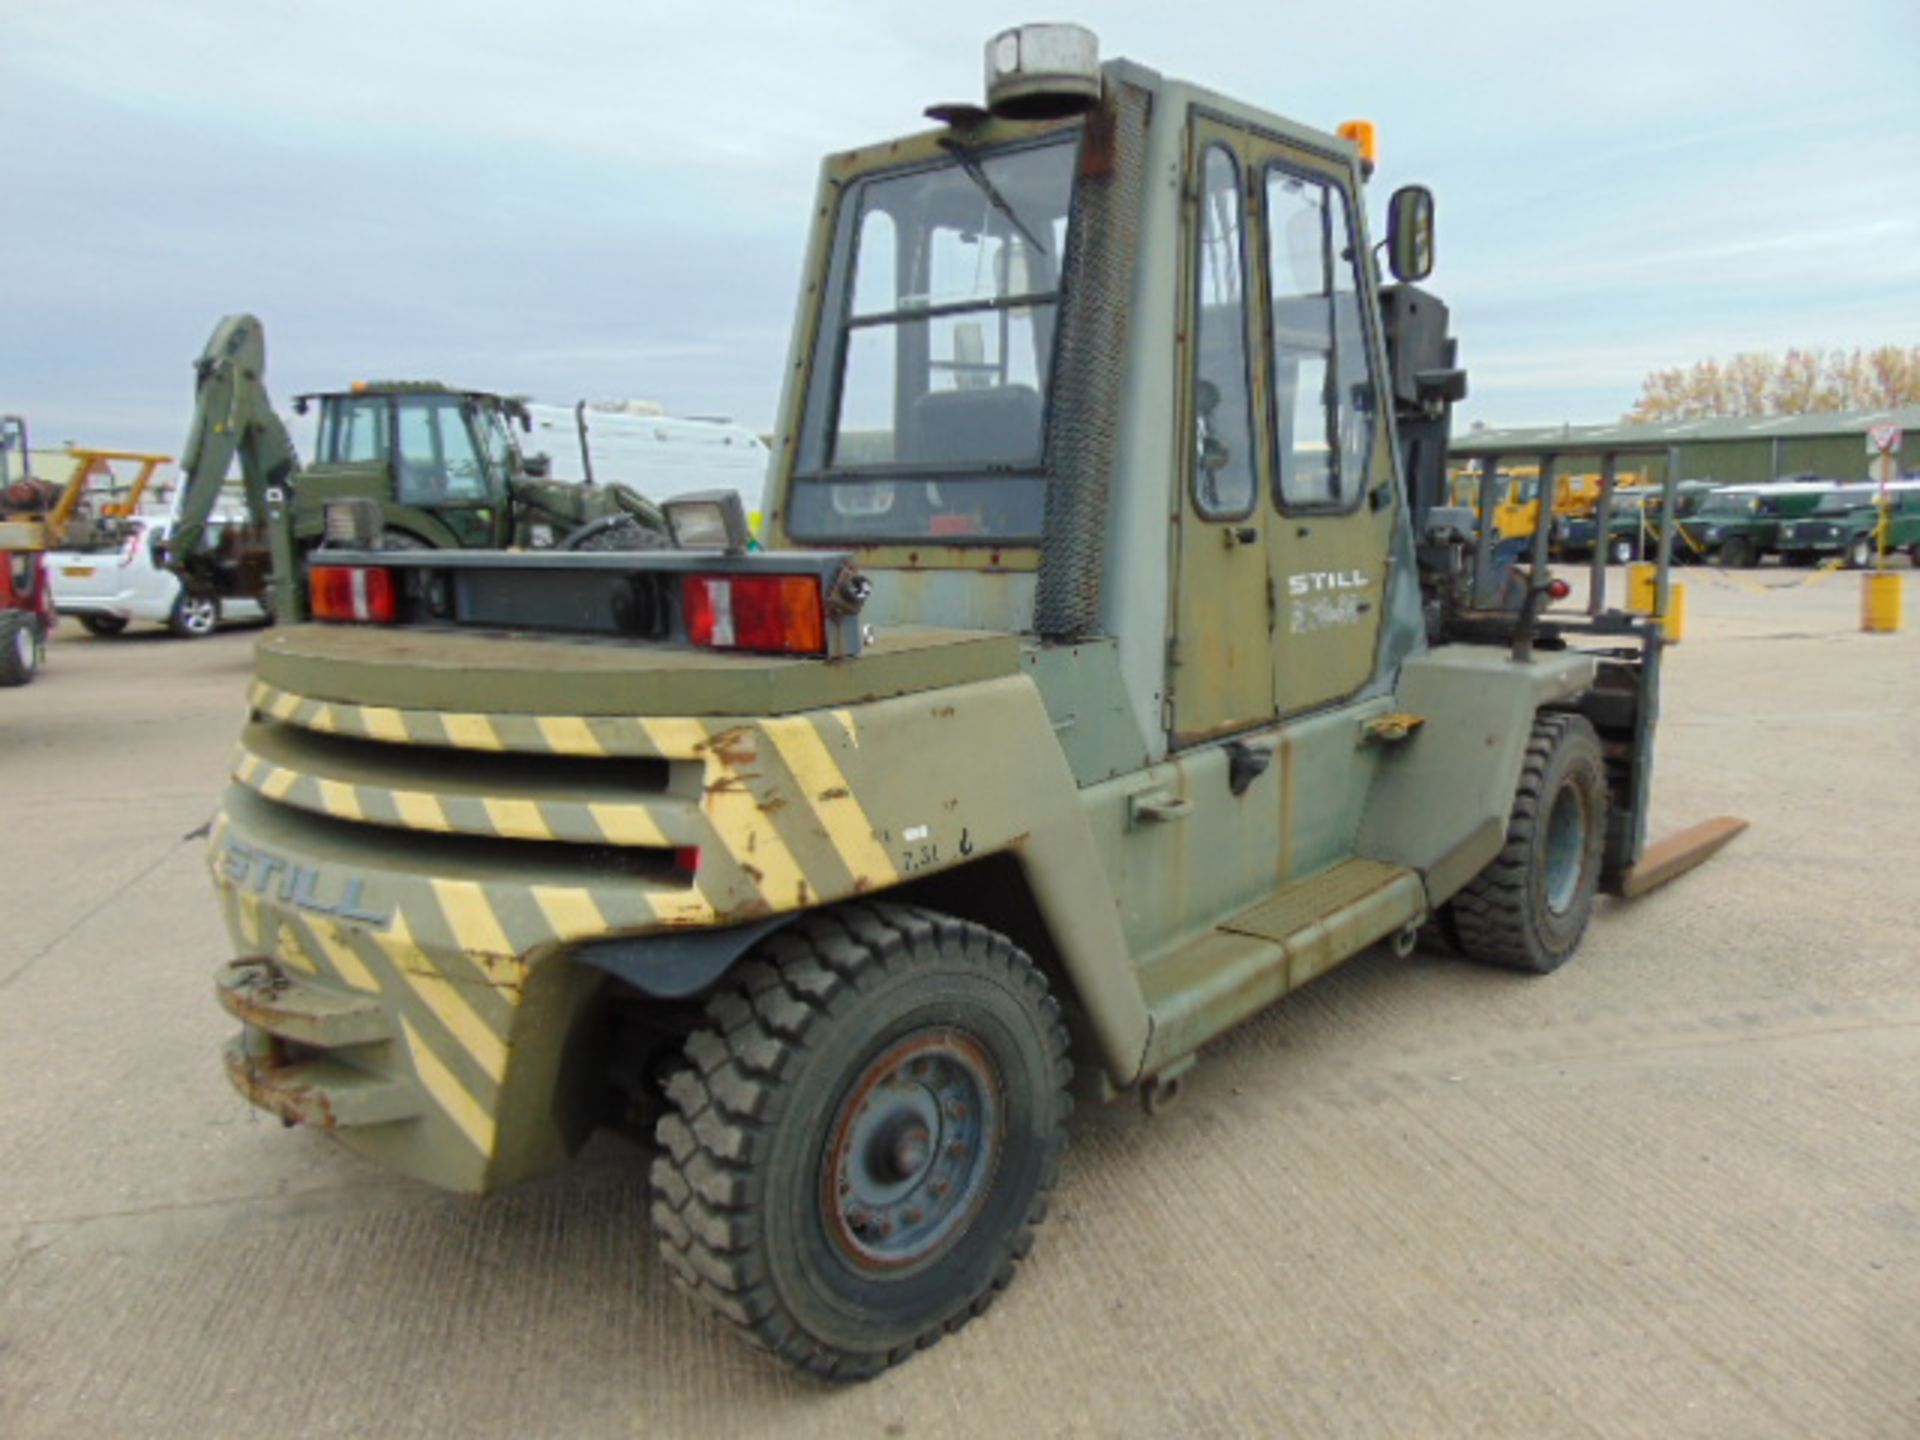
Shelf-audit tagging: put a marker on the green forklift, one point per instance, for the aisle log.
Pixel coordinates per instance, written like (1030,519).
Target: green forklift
(1114,667)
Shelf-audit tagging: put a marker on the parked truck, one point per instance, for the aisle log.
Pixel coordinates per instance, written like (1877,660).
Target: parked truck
(1114,667)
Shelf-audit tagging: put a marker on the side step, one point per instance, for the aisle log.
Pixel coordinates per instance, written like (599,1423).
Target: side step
(1249,961)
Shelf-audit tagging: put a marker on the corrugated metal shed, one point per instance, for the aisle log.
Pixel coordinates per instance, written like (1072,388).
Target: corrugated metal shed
(1743,450)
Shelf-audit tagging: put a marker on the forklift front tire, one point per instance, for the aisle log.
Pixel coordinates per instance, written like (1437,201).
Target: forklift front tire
(1528,909)
(863,1137)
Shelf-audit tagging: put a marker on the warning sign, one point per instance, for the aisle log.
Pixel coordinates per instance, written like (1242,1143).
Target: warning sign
(1883,439)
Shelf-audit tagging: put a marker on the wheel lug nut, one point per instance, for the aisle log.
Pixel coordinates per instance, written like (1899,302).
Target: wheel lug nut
(957,1150)
(957,1109)
(938,1187)
(912,1216)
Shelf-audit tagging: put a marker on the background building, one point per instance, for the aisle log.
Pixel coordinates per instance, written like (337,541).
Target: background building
(1746,451)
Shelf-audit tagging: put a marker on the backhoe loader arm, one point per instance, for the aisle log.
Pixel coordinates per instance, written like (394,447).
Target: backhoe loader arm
(231,416)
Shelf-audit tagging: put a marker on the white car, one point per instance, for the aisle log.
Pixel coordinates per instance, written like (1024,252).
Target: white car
(107,589)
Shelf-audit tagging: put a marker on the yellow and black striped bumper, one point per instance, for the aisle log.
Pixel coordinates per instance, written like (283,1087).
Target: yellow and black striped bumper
(403,888)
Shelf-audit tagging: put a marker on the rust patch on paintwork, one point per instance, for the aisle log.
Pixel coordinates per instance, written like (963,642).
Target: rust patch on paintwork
(259,1000)
(294,1102)
(944,712)
(734,747)
(835,792)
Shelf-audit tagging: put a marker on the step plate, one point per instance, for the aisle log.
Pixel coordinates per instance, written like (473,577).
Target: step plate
(1248,962)
(1294,907)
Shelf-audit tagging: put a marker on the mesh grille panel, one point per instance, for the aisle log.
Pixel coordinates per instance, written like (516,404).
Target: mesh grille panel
(1090,367)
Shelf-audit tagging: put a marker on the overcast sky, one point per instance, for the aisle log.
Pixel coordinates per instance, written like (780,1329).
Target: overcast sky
(611,199)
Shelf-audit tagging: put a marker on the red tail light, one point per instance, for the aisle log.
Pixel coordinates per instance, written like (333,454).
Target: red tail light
(353,592)
(1558,589)
(782,613)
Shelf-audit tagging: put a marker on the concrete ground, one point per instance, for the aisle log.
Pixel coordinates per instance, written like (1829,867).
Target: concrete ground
(1672,1191)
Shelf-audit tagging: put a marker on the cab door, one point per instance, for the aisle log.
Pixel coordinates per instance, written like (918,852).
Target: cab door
(1332,494)
(1220,658)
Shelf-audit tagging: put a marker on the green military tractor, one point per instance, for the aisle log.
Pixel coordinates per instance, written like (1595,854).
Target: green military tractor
(425,466)
(1113,668)
(1846,524)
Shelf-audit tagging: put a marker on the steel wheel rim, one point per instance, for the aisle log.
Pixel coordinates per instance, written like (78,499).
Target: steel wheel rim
(1566,848)
(23,646)
(912,1152)
(197,615)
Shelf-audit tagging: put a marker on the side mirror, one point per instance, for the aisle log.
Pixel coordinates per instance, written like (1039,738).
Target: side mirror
(538,467)
(1410,233)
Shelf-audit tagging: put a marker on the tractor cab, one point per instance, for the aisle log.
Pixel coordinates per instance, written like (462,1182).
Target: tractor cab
(446,459)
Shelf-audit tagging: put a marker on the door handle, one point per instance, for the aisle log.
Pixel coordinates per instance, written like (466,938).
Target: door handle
(1145,807)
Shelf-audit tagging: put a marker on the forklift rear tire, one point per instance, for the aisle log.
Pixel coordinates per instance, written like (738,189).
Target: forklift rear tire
(19,647)
(1529,908)
(103,625)
(1738,554)
(1860,552)
(862,1138)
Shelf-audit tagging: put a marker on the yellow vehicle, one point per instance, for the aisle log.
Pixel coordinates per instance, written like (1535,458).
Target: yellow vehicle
(39,515)
(1517,496)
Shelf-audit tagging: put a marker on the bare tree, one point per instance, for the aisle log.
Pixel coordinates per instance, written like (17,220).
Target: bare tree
(1799,382)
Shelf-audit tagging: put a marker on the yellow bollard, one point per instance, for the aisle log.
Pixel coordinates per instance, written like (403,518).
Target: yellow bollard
(1643,591)
(1674,623)
(1640,586)
(1880,602)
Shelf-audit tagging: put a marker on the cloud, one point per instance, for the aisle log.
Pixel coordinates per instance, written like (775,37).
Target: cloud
(613,198)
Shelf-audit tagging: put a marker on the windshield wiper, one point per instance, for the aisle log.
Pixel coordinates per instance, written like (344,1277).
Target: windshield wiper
(970,163)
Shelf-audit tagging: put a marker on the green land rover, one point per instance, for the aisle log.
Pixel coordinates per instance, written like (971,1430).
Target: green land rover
(1739,526)
(1845,520)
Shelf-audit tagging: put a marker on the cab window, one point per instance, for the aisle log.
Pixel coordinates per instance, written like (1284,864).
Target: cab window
(1322,391)
(926,416)
(356,431)
(439,464)
(1223,474)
